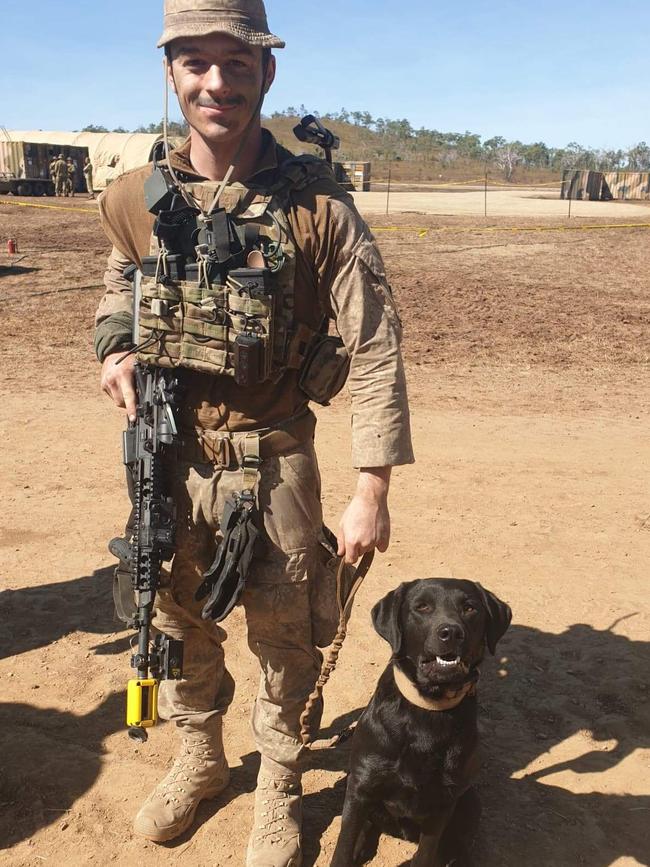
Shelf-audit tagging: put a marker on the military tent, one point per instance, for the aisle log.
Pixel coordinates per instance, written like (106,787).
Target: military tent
(111,153)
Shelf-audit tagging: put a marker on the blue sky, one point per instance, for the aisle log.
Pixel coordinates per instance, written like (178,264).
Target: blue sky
(550,71)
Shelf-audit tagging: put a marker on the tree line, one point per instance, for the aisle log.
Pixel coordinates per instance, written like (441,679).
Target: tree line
(394,140)
(399,140)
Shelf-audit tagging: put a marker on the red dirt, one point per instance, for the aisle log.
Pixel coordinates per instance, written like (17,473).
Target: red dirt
(527,356)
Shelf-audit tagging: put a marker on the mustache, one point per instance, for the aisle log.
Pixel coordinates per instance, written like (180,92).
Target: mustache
(208,102)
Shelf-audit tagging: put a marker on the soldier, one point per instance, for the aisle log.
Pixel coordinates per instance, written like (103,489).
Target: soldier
(72,171)
(60,175)
(88,177)
(324,265)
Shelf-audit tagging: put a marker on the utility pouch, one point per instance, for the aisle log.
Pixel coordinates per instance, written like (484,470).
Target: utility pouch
(325,369)
(248,355)
(251,309)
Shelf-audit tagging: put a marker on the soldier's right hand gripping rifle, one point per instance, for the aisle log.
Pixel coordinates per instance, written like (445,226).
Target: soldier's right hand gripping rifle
(150,539)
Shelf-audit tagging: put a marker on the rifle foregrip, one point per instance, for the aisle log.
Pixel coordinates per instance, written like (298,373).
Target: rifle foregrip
(121,549)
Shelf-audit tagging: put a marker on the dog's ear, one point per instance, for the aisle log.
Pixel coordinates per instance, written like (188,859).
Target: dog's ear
(386,617)
(499,617)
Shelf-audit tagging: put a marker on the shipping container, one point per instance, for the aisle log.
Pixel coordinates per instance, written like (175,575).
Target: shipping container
(353,176)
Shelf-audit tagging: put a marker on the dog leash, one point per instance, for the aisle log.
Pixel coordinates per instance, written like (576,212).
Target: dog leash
(344,599)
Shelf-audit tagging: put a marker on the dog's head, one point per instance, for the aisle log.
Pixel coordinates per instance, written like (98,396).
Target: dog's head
(438,629)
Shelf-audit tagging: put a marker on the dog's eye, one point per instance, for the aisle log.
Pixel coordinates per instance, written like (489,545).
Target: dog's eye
(422,606)
(469,608)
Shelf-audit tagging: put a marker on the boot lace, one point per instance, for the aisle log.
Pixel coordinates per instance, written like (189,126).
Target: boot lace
(192,759)
(275,815)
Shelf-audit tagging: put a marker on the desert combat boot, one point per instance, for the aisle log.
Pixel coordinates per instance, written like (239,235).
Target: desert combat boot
(275,840)
(201,771)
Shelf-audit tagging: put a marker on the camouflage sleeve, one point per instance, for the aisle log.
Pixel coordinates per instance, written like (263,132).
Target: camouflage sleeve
(350,268)
(114,317)
(127,225)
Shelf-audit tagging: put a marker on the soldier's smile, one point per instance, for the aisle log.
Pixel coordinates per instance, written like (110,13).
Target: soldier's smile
(218,81)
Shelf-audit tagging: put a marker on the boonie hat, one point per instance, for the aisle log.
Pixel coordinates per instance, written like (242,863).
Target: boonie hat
(244,19)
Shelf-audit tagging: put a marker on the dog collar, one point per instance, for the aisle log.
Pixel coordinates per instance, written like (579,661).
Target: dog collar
(412,694)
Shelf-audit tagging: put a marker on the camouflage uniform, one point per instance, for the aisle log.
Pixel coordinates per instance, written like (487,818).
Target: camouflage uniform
(60,176)
(289,592)
(88,177)
(289,598)
(71,181)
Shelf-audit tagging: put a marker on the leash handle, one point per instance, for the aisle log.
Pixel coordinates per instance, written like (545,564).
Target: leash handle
(329,663)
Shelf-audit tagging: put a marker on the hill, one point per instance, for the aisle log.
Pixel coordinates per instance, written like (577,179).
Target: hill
(431,155)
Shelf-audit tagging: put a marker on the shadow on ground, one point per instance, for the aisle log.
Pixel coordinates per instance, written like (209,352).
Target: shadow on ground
(16,270)
(34,617)
(583,680)
(48,759)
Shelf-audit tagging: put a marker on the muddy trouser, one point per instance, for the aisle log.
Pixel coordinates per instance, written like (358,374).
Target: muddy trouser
(289,601)
(60,185)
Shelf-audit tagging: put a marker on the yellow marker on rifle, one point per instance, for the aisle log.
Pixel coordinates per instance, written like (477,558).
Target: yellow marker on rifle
(142,704)
(150,542)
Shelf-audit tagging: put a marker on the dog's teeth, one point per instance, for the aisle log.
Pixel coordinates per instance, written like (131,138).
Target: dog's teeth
(447,662)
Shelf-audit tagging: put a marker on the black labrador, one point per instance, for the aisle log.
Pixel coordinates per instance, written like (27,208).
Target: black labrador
(414,751)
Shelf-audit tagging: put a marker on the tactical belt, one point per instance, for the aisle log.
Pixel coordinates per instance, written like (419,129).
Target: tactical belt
(224,449)
(225,580)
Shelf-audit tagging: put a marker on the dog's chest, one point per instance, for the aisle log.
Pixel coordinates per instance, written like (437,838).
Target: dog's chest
(424,781)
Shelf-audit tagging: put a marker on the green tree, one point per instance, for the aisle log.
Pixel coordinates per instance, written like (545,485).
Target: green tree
(638,157)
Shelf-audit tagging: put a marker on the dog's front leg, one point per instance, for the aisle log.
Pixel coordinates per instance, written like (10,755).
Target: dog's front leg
(355,813)
(428,852)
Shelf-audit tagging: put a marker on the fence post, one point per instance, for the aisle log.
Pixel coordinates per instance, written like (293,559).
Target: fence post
(486,189)
(388,190)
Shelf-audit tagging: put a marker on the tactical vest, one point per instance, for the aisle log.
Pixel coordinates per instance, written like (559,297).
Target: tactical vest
(237,320)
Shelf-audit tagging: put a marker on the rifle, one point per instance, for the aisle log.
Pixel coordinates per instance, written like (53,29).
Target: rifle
(145,442)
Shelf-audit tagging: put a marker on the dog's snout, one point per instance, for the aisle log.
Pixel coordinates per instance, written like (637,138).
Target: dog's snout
(450,632)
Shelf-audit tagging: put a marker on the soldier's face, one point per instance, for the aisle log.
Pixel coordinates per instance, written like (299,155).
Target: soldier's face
(218,81)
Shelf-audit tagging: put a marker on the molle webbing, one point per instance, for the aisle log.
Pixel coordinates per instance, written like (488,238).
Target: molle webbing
(203,317)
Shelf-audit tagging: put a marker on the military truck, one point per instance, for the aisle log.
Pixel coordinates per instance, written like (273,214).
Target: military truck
(25,167)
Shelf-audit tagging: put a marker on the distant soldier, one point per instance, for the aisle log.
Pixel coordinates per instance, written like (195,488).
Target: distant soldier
(60,174)
(50,168)
(72,172)
(88,176)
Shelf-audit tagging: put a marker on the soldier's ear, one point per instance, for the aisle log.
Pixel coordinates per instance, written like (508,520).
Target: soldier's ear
(167,66)
(270,73)
(386,617)
(499,617)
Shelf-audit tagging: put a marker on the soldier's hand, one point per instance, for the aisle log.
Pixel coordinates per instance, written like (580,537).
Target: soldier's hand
(365,524)
(118,381)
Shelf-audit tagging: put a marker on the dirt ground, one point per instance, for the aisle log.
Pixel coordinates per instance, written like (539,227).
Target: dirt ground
(529,202)
(527,354)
